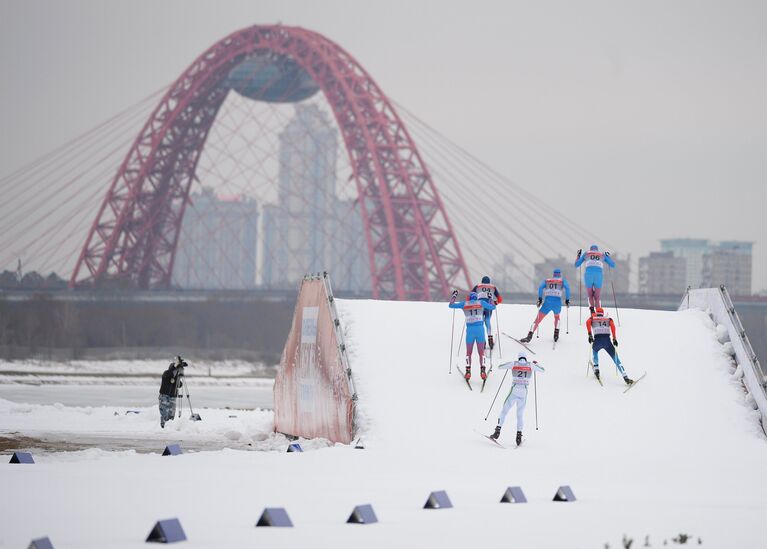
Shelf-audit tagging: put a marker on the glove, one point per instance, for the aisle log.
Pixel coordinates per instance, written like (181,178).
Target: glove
(615,342)
(539,301)
(591,338)
(607,254)
(580,251)
(567,302)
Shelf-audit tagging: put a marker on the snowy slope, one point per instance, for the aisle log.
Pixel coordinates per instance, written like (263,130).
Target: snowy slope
(680,453)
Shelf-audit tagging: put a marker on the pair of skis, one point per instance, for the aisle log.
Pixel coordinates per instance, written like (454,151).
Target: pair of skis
(489,370)
(553,344)
(518,341)
(491,439)
(590,368)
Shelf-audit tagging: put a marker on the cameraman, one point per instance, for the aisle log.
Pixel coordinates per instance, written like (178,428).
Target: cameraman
(168,388)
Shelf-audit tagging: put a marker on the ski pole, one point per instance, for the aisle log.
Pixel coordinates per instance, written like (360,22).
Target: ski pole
(452,333)
(568,320)
(498,329)
(535,395)
(580,309)
(458,348)
(537,327)
(617,314)
(496,393)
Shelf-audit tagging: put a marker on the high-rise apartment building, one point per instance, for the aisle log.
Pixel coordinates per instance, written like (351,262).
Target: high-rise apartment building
(729,263)
(662,273)
(310,229)
(692,251)
(217,243)
(711,264)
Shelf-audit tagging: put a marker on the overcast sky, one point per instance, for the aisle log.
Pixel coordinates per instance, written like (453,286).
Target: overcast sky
(646,118)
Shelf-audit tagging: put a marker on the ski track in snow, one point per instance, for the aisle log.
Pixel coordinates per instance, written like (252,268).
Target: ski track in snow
(682,452)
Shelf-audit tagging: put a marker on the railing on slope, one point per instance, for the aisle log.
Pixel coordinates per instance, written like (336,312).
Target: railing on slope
(717,302)
(341,345)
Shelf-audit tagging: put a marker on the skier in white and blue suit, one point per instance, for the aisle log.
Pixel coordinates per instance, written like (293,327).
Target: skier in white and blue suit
(521,372)
(592,277)
(550,300)
(475,328)
(487,291)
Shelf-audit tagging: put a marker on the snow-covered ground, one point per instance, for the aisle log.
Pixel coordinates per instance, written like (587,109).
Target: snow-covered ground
(680,453)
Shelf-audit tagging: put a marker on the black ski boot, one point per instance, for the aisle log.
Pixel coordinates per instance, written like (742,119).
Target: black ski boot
(496,433)
(527,339)
(591,310)
(628,380)
(482,372)
(467,375)
(596,374)
(519,438)
(556,334)
(490,342)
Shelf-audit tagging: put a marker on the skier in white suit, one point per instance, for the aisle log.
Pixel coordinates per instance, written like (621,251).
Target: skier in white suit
(521,372)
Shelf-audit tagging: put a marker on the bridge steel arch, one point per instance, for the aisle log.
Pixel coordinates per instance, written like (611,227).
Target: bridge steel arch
(412,249)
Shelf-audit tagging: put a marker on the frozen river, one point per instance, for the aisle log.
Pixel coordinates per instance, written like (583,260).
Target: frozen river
(245,397)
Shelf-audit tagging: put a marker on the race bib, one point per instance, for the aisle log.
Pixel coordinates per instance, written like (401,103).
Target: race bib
(473,313)
(521,373)
(485,291)
(600,326)
(553,288)
(594,259)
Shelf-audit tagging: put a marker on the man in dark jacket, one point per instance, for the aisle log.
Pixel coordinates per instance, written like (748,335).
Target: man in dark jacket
(168,387)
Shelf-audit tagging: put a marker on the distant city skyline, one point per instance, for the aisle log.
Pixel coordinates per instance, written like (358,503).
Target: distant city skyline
(697,263)
(638,139)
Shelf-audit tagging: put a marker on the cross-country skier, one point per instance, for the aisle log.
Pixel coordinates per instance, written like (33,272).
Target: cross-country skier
(600,327)
(550,299)
(592,278)
(488,292)
(475,328)
(521,372)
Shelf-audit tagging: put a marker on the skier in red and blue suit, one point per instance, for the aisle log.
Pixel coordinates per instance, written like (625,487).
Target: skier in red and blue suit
(475,328)
(550,300)
(599,328)
(592,278)
(489,293)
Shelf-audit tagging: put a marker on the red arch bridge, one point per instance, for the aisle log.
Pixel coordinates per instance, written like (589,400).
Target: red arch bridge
(274,154)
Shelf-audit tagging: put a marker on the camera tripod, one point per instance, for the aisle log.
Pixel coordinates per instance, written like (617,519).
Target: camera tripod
(181,390)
